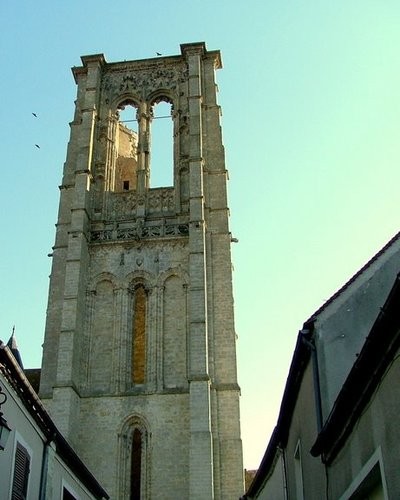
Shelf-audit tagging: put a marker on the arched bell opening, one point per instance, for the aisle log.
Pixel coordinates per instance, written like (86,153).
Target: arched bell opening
(162,142)
(126,146)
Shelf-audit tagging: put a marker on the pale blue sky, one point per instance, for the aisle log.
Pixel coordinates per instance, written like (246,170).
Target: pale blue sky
(310,94)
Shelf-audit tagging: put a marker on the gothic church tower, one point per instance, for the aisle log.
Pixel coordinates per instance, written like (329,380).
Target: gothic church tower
(139,363)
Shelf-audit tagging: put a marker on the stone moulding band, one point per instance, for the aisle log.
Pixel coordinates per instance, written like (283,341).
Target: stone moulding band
(137,233)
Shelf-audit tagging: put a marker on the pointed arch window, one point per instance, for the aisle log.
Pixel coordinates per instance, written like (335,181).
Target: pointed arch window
(134,450)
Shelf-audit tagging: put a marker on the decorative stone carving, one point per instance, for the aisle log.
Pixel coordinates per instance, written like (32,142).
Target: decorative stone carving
(143,81)
(123,203)
(101,235)
(160,200)
(127,234)
(138,231)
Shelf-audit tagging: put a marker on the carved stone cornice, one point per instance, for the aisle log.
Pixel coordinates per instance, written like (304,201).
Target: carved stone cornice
(142,81)
(138,232)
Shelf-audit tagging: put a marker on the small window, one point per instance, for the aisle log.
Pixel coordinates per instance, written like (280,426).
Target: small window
(370,482)
(371,487)
(21,473)
(125,186)
(67,495)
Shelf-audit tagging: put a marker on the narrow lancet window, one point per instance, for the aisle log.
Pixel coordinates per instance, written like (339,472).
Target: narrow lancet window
(136,464)
(134,460)
(139,336)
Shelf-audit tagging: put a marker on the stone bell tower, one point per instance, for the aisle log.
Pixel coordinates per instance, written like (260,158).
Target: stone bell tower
(139,363)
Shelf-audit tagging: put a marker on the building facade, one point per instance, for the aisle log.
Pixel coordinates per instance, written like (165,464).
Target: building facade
(139,359)
(37,462)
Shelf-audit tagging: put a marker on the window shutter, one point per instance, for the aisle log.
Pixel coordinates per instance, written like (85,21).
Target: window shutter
(21,473)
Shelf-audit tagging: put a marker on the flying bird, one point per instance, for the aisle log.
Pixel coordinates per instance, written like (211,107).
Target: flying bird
(158,53)
(34,114)
(37,145)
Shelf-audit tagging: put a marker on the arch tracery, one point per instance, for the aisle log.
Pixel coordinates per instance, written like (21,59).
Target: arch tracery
(129,160)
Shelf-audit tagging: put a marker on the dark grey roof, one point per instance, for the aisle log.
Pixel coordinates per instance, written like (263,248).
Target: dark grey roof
(379,350)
